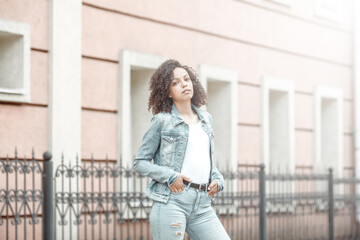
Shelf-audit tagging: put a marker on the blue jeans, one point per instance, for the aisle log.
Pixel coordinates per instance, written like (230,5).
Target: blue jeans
(188,211)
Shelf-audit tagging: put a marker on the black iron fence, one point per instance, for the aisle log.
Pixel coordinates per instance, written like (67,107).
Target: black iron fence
(24,207)
(104,200)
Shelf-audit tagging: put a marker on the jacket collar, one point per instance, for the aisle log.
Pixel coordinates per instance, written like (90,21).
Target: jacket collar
(177,117)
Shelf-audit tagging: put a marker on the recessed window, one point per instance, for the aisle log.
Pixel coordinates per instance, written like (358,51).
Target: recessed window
(221,87)
(278,132)
(328,134)
(278,125)
(328,129)
(14,61)
(219,94)
(140,116)
(135,71)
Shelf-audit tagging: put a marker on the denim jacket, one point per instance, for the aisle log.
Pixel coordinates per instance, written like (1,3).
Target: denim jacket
(165,141)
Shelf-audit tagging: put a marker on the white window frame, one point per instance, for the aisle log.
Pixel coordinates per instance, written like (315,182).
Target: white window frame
(337,95)
(272,83)
(329,92)
(22,30)
(129,59)
(333,14)
(207,72)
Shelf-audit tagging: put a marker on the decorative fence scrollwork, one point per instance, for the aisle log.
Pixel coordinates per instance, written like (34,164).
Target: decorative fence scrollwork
(21,197)
(101,199)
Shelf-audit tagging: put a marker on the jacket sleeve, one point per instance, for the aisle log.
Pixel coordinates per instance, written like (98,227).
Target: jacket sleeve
(149,147)
(215,173)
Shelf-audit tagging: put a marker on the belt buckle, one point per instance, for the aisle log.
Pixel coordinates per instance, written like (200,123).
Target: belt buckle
(202,185)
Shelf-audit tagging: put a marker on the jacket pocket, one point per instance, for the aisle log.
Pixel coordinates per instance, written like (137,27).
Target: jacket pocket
(170,139)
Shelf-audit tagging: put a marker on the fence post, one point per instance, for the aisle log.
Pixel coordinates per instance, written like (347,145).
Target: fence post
(331,205)
(48,204)
(262,202)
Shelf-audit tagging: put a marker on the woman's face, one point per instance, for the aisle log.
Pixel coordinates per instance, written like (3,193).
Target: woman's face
(181,87)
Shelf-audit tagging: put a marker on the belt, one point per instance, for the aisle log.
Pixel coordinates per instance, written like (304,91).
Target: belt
(201,187)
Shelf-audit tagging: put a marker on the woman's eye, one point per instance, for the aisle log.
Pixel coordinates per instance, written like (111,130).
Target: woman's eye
(187,79)
(175,83)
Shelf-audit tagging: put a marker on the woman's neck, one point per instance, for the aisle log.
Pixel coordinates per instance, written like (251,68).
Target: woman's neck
(184,108)
(186,112)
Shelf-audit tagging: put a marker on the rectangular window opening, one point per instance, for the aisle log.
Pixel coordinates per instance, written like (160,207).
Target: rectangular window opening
(278,140)
(14,61)
(279,132)
(219,98)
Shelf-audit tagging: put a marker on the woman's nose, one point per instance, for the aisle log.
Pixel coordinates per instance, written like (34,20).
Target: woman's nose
(184,84)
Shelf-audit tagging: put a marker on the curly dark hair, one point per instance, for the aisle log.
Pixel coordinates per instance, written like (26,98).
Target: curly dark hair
(160,81)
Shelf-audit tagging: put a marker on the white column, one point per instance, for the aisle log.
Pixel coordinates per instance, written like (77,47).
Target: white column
(65,88)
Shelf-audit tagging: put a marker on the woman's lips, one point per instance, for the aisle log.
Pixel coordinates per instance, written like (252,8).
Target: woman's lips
(187,91)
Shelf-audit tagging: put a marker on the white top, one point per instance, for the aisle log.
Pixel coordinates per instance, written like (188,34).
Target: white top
(196,165)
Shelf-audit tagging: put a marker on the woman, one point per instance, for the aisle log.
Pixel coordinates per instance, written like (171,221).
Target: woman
(180,140)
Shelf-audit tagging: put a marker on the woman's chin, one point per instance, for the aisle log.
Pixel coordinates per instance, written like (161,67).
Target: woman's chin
(183,100)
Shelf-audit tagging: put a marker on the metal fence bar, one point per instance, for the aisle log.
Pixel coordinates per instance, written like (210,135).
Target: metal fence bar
(331,205)
(262,203)
(48,193)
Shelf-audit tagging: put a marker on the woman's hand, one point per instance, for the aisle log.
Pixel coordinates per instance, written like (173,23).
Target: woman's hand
(178,185)
(213,188)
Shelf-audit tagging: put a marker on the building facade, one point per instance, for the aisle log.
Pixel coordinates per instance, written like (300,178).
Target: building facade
(280,71)
(280,77)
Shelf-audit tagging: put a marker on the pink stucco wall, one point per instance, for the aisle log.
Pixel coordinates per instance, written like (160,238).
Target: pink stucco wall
(35,13)
(242,22)
(100,84)
(25,126)
(253,37)
(99,134)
